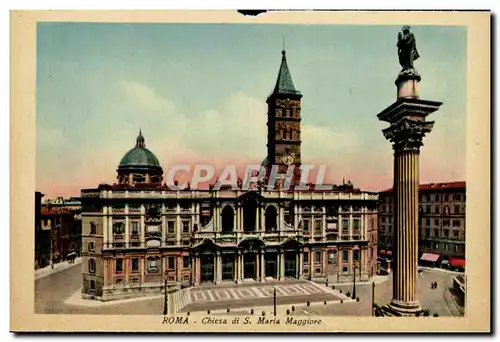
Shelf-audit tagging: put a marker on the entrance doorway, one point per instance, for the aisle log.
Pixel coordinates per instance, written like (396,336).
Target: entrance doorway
(271,265)
(227,267)
(290,264)
(250,266)
(206,268)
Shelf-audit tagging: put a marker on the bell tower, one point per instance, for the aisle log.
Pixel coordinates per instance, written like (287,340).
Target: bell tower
(283,123)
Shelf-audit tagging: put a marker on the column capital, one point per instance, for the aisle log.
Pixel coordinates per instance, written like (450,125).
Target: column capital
(407,135)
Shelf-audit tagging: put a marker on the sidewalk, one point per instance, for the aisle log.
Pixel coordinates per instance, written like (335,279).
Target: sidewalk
(47,270)
(377,279)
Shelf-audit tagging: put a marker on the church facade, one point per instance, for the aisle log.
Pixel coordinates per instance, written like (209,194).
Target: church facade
(139,235)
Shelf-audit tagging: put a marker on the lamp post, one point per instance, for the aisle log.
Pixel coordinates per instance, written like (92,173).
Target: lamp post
(275,301)
(373,298)
(354,282)
(165,303)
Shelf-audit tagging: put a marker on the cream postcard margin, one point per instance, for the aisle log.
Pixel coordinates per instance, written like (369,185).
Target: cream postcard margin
(23,97)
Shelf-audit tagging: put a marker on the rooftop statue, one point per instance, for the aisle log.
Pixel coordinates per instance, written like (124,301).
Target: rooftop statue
(407,49)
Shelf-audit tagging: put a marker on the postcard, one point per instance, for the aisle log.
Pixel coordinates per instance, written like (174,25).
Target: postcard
(235,171)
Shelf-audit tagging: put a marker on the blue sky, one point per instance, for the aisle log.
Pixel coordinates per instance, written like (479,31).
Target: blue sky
(198,93)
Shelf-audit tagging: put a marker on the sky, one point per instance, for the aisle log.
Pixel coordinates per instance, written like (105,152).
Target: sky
(198,93)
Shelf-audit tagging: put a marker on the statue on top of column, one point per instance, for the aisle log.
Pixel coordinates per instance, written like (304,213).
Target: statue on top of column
(407,49)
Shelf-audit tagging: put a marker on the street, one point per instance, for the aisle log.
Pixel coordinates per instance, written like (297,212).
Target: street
(52,292)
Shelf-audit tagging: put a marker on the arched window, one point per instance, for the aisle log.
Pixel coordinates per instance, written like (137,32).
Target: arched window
(271,216)
(227,219)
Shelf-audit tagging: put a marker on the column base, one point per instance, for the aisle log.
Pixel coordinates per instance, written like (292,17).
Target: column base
(405,308)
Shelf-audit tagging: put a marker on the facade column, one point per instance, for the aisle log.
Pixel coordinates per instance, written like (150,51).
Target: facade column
(178,225)
(242,275)
(311,262)
(163,226)
(406,132)
(301,264)
(143,226)
(198,270)
(236,267)
(127,227)
(262,266)
(216,268)
(257,262)
(110,229)
(282,264)
(105,227)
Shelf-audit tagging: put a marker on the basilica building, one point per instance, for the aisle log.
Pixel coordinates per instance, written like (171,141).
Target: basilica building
(138,234)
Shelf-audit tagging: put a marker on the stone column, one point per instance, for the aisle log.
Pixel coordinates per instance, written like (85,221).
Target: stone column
(127,229)
(236,267)
(143,225)
(163,226)
(262,267)
(105,228)
(216,267)
(301,264)
(282,264)
(406,132)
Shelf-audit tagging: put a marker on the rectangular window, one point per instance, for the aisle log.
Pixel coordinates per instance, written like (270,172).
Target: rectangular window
(436,233)
(455,234)
(92,266)
(92,228)
(356,224)
(171,263)
(170,227)
(456,209)
(345,224)
(445,198)
(91,246)
(355,255)
(118,227)
(345,269)
(436,210)
(185,226)
(135,264)
(92,285)
(427,222)
(135,227)
(317,258)
(456,223)
(306,257)
(186,206)
(345,255)
(119,265)
(437,198)
(428,209)
(317,226)
(306,225)
(383,219)
(185,261)
(427,232)
(446,232)
(436,222)
(446,223)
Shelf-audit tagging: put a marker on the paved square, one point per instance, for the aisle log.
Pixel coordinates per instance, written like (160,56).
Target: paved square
(223,296)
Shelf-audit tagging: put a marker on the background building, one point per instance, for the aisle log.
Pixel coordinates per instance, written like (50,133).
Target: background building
(138,233)
(39,242)
(441,223)
(60,231)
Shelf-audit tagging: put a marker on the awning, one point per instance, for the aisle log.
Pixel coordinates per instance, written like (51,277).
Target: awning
(457,262)
(430,257)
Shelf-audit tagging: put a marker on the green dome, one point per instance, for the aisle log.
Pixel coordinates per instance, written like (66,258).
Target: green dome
(139,157)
